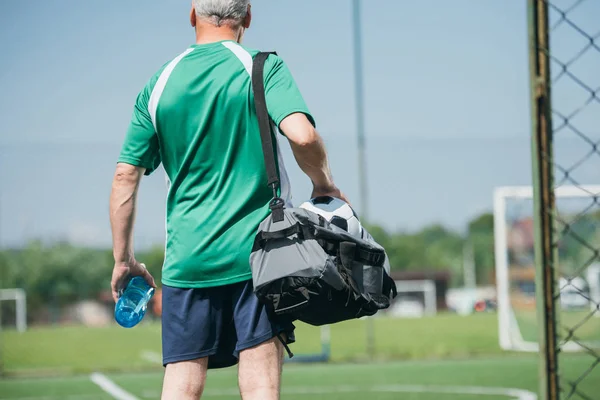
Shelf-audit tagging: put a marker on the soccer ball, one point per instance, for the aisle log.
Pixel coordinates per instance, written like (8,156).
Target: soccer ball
(337,212)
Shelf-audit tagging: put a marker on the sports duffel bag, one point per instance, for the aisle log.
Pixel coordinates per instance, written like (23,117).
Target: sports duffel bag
(307,268)
(303,266)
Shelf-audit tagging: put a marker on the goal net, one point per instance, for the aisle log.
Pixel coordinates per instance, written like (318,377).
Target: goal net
(315,345)
(13,311)
(578,270)
(416,298)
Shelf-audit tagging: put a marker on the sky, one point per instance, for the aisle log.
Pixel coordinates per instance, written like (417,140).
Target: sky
(447,115)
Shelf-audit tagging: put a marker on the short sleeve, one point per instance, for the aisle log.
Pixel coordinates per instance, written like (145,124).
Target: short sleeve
(141,147)
(282,95)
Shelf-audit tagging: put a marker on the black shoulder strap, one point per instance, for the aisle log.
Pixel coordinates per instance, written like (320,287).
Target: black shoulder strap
(264,123)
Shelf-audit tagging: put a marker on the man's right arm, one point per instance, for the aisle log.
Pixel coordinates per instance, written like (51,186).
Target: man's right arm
(311,155)
(288,111)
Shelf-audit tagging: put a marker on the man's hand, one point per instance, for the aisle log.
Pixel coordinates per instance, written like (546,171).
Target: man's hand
(122,214)
(332,192)
(122,272)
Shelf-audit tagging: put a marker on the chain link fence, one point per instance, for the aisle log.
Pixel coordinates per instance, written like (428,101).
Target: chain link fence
(565,72)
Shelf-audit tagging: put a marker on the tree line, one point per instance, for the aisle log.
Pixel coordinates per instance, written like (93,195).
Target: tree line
(61,273)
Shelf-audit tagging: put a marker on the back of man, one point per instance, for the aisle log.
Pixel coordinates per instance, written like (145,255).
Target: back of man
(196,116)
(201,107)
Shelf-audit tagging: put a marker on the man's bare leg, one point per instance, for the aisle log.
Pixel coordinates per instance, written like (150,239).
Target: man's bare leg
(185,380)
(259,371)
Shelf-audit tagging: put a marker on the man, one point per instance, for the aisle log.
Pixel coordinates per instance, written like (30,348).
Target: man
(196,116)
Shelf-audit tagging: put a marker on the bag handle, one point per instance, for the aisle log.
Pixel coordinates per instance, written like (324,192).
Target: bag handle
(264,124)
(296,229)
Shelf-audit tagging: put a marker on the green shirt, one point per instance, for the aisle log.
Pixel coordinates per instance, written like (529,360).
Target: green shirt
(196,116)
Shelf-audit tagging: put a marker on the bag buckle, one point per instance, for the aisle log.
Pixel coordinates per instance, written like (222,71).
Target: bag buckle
(276,205)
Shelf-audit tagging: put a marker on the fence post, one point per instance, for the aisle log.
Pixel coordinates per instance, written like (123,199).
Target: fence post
(544,201)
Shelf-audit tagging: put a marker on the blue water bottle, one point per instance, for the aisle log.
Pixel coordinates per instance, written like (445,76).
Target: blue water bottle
(131,306)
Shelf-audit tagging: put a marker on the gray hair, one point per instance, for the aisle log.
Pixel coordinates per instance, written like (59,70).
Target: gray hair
(219,12)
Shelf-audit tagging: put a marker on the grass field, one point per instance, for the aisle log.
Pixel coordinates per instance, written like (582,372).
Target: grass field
(588,328)
(443,358)
(79,350)
(493,378)
(345,381)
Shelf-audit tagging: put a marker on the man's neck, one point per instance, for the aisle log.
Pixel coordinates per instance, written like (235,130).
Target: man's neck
(206,33)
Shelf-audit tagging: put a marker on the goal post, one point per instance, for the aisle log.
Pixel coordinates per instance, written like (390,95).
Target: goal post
(20,299)
(564,147)
(406,291)
(593,280)
(515,267)
(323,356)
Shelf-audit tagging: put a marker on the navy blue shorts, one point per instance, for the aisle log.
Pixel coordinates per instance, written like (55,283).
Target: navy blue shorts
(217,323)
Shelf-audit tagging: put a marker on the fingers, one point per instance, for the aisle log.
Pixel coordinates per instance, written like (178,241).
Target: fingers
(116,285)
(148,277)
(114,290)
(121,275)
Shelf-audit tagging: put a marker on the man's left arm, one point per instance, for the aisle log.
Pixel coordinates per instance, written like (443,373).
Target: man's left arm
(122,216)
(139,156)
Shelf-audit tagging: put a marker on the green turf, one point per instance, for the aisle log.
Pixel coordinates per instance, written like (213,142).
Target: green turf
(360,381)
(83,350)
(78,349)
(586,327)
(378,381)
(462,351)
(51,388)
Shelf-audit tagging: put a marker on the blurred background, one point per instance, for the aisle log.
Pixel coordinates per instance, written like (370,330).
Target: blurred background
(425,110)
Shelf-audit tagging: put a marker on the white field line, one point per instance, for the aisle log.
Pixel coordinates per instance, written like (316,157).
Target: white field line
(517,394)
(70,397)
(510,393)
(298,368)
(151,356)
(111,388)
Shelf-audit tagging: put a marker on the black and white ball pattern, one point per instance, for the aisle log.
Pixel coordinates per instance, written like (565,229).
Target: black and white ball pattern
(337,212)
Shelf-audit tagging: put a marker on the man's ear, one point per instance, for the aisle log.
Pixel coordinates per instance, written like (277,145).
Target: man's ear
(248,18)
(193,17)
